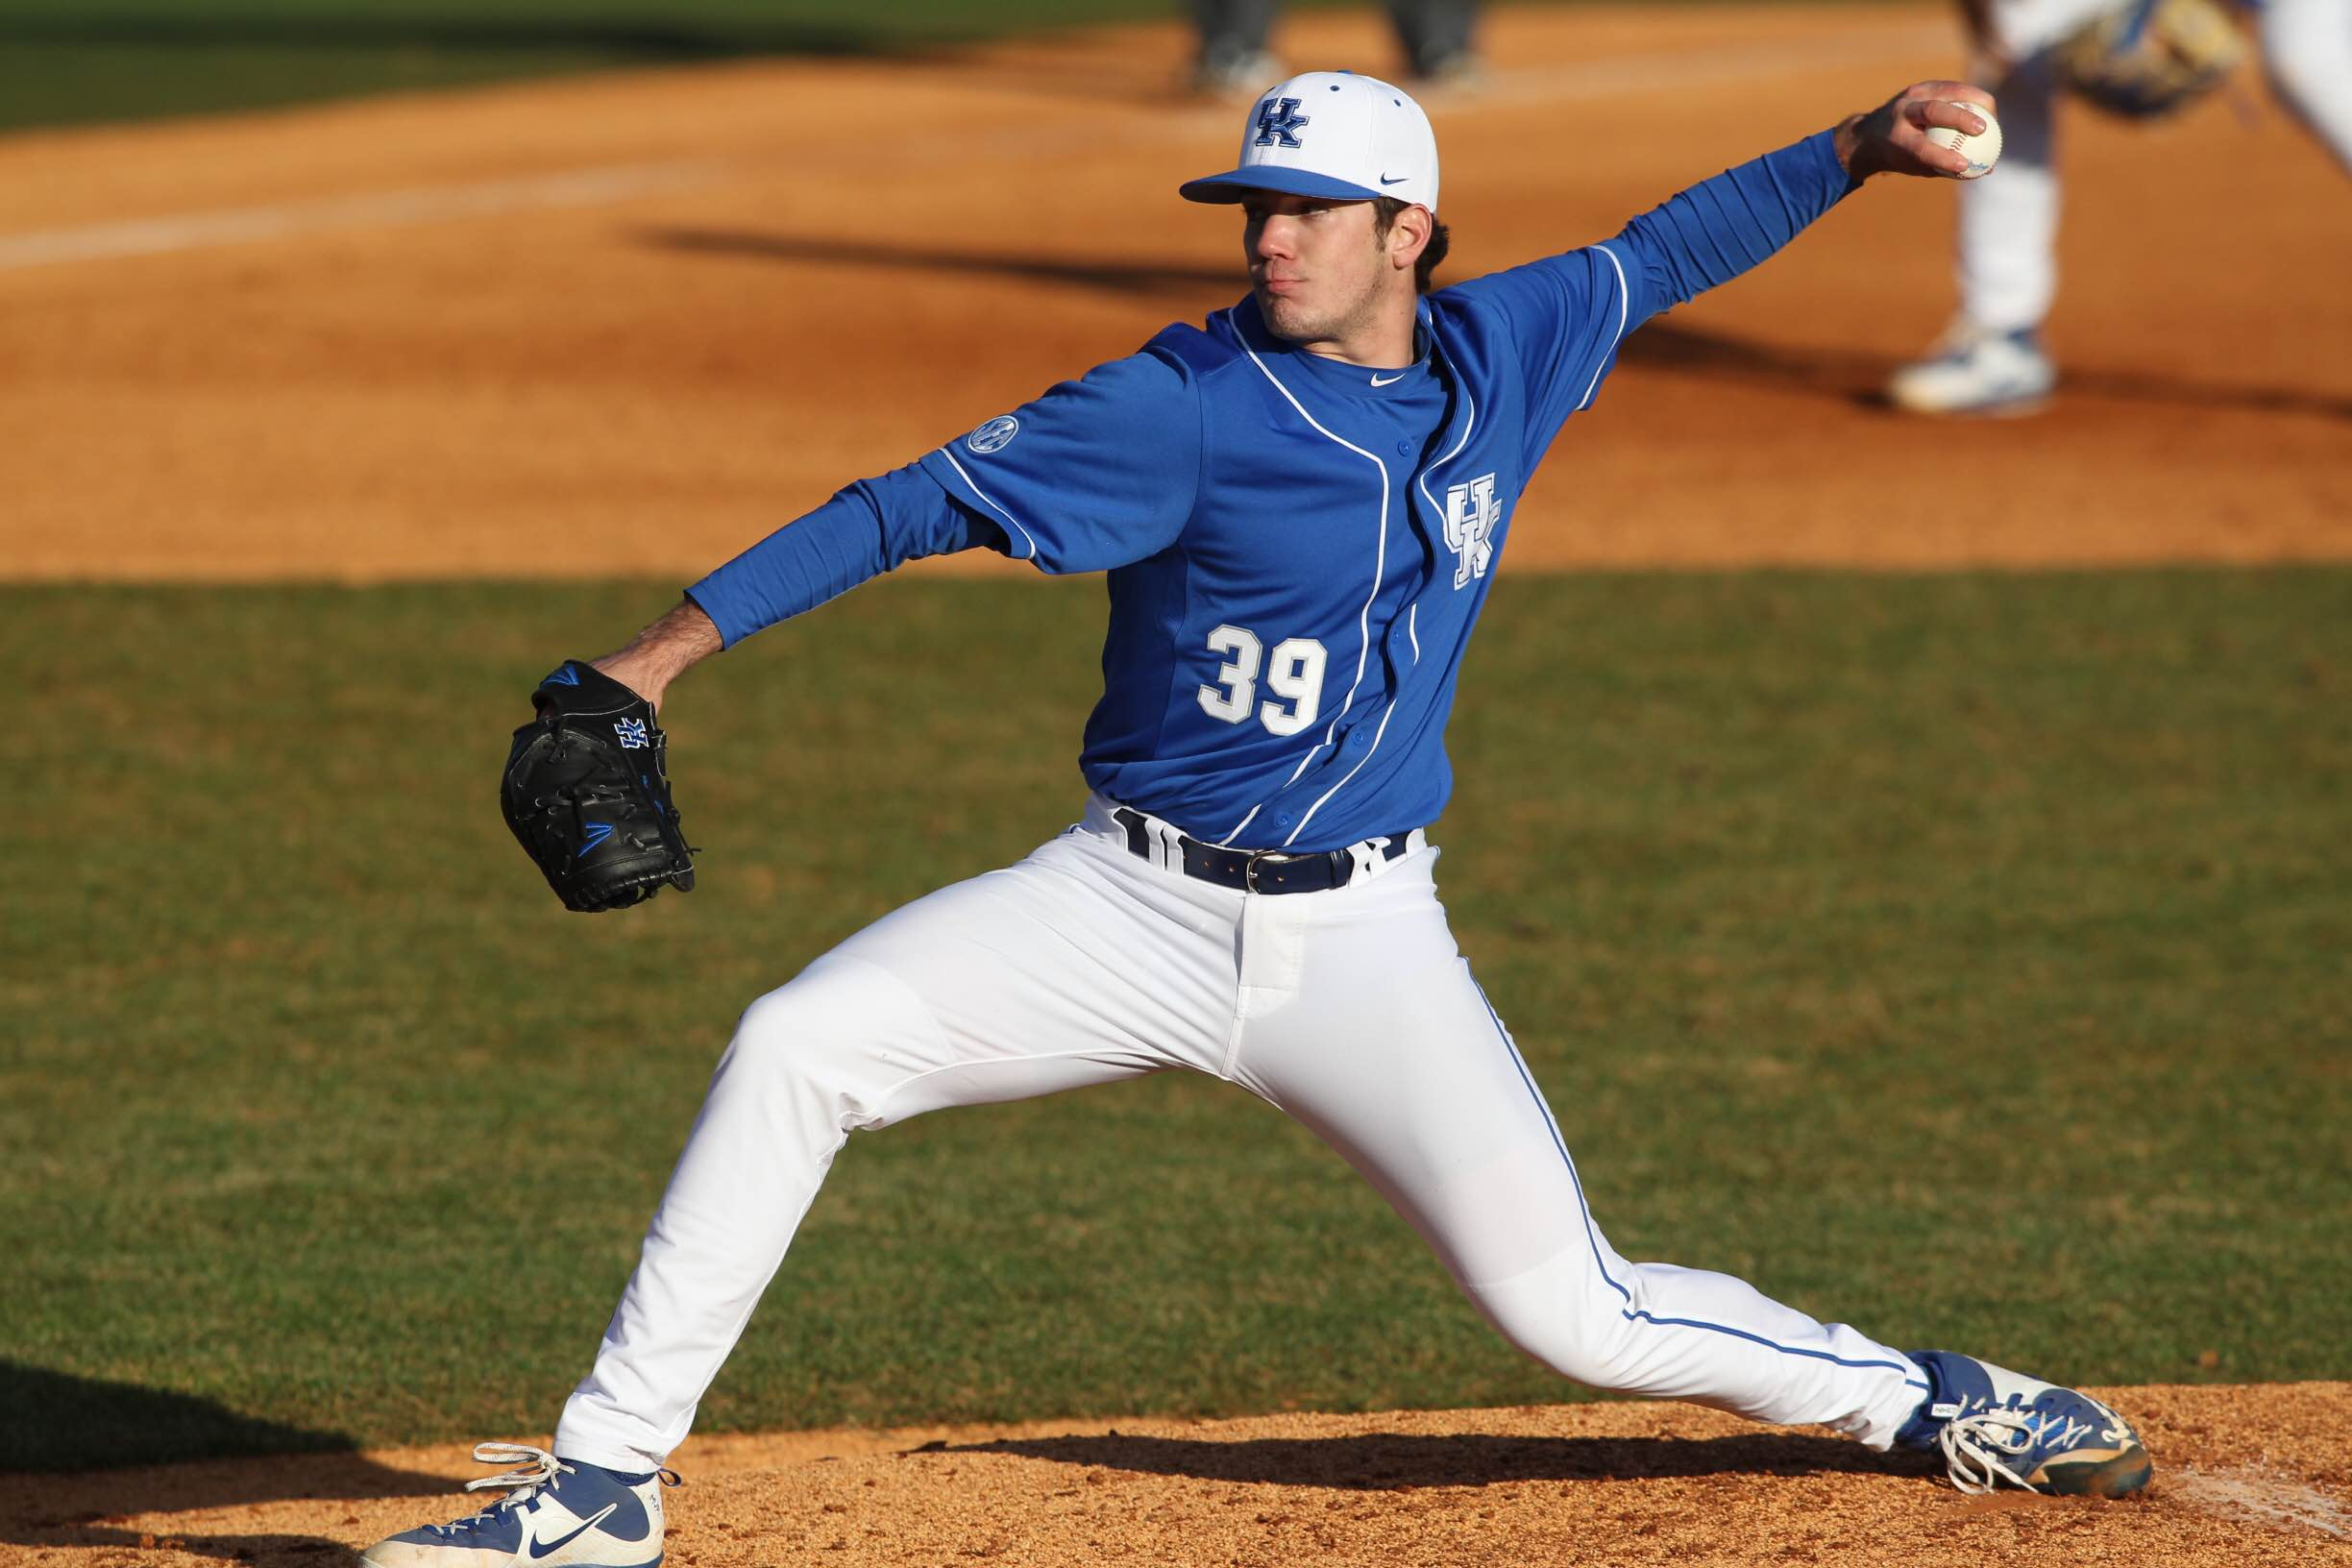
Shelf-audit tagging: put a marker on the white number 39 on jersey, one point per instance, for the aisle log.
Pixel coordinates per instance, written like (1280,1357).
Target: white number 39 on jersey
(1296,674)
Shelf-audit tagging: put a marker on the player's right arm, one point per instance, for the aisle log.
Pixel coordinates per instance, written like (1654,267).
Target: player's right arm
(663,651)
(1095,474)
(865,530)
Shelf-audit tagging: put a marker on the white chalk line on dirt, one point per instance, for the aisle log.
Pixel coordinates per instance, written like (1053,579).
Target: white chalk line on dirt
(374,209)
(2262,1499)
(603,185)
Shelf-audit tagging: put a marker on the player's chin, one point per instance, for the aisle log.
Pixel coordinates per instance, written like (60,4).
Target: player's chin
(1286,317)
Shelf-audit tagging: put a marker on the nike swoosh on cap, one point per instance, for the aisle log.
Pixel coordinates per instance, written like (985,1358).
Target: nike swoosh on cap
(1398,181)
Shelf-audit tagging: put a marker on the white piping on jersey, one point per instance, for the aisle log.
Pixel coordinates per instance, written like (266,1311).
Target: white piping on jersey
(1413,627)
(984,496)
(1624,303)
(1364,617)
(1469,424)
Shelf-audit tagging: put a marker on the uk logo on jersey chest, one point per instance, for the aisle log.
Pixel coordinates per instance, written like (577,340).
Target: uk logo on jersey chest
(1472,514)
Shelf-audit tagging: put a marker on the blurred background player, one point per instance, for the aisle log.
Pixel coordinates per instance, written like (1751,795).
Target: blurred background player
(1235,61)
(1992,360)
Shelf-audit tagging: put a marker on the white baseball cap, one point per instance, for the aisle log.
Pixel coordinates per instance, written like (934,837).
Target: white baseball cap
(1335,134)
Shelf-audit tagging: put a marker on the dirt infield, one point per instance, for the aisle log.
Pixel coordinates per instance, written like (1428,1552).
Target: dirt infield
(2245,1477)
(632,323)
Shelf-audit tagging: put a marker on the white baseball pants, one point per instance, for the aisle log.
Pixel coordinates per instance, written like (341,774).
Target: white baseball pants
(2008,243)
(1349,1009)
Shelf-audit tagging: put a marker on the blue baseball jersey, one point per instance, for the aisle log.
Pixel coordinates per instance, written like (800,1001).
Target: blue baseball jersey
(1297,547)
(1297,555)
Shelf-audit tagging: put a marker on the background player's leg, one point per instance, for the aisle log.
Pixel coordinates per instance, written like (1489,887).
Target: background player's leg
(1991,359)
(2008,241)
(1434,34)
(1046,976)
(1388,1052)
(1232,57)
(2307,48)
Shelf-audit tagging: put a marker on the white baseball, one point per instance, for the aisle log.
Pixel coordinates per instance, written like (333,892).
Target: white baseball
(1982,151)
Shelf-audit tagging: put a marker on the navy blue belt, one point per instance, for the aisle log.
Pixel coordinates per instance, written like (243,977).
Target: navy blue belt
(1261,871)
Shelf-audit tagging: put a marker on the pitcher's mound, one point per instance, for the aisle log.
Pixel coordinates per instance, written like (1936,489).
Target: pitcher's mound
(2244,1476)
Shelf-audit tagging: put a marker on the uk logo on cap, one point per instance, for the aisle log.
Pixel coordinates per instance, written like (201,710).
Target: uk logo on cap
(1278,123)
(1370,139)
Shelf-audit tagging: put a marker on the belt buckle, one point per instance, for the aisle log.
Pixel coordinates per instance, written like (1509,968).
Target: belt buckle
(1249,866)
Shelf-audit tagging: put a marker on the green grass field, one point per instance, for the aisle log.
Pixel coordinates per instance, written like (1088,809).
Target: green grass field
(82,61)
(1962,956)
(68,61)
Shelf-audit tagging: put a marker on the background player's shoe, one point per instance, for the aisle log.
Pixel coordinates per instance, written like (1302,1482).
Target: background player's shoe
(1235,74)
(560,1514)
(1460,71)
(1995,1426)
(1973,371)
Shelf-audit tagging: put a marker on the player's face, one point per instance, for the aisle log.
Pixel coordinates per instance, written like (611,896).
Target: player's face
(1317,271)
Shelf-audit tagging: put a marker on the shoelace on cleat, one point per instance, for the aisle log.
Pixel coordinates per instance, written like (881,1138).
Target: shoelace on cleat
(534,1468)
(1975,1446)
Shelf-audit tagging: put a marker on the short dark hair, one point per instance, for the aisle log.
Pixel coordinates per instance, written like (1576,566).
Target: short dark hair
(1384,211)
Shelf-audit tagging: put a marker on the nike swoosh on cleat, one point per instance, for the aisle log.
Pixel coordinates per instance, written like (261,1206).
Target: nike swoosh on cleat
(540,1548)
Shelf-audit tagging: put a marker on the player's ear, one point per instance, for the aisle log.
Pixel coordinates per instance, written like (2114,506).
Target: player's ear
(1409,236)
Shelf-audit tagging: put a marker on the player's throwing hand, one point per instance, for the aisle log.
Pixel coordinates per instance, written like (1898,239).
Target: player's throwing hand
(1892,137)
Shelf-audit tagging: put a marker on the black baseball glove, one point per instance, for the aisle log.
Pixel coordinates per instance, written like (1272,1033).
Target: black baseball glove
(586,797)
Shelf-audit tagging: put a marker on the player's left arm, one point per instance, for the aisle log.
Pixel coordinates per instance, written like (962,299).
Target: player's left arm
(1567,315)
(1892,137)
(1708,235)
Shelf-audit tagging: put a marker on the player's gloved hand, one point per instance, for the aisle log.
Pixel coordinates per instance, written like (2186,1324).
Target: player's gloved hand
(1892,137)
(586,794)
(2150,57)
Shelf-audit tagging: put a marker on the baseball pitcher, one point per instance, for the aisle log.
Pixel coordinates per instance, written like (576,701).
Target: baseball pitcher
(1301,504)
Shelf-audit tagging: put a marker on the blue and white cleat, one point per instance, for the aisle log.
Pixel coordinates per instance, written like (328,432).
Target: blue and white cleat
(557,1513)
(1975,372)
(1995,1426)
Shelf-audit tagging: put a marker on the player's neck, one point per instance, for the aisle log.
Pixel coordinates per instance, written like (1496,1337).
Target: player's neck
(1384,342)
